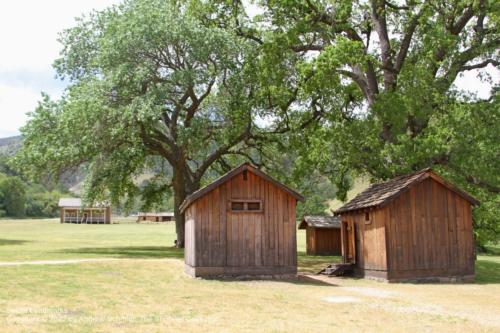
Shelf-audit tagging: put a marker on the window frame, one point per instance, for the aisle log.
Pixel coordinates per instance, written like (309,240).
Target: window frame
(245,203)
(369,220)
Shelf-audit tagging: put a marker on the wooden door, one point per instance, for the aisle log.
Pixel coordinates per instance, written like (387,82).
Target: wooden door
(244,239)
(348,242)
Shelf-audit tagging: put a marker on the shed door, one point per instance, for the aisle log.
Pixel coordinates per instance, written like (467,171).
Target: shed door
(348,239)
(244,230)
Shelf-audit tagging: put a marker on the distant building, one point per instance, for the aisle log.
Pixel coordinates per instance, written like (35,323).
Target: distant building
(156,217)
(322,235)
(72,211)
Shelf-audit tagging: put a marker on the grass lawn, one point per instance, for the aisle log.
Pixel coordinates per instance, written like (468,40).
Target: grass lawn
(147,290)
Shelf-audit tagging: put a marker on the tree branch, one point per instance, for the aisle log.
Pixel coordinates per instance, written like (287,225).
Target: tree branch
(481,64)
(406,41)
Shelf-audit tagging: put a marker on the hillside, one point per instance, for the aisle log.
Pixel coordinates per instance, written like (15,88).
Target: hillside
(73,181)
(9,146)
(360,184)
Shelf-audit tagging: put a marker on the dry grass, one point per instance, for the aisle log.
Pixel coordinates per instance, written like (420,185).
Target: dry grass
(147,291)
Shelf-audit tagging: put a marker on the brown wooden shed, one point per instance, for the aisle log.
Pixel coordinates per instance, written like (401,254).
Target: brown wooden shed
(241,224)
(413,227)
(155,217)
(322,235)
(73,211)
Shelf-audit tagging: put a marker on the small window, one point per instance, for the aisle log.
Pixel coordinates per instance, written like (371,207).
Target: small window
(253,206)
(237,206)
(367,218)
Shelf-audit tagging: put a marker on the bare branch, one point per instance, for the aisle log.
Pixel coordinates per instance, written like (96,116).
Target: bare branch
(379,20)
(462,21)
(395,7)
(406,41)
(481,64)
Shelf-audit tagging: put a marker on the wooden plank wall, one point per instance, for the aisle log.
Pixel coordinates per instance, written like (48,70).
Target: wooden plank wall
(107,215)
(430,233)
(310,237)
(224,238)
(370,239)
(322,241)
(189,237)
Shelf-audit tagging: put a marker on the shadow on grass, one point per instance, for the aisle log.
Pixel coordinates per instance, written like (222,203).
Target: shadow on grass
(313,264)
(131,251)
(12,241)
(487,271)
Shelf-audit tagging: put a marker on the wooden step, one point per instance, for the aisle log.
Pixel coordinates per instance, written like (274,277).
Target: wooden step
(337,269)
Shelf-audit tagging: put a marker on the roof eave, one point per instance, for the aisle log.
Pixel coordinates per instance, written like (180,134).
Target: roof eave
(426,173)
(228,176)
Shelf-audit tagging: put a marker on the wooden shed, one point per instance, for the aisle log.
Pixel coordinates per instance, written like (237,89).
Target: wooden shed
(413,227)
(155,217)
(241,224)
(73,211)
(322,235)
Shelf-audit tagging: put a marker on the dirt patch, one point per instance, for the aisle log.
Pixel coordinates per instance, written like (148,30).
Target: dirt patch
(371,292)
(341,299)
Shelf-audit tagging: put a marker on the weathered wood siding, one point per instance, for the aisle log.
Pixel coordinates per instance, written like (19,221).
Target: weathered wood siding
(189,236)
(242,242)
(155,218)
(108,215)
(370,240)
(425,232)
(323,241)
(430,233)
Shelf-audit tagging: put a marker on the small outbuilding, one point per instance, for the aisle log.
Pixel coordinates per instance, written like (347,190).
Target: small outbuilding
(322,235)
(155,217)
(242,224)
(413,227)
(73,211)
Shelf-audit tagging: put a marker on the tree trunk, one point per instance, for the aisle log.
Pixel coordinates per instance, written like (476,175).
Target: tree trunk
(183,186)
(179,196)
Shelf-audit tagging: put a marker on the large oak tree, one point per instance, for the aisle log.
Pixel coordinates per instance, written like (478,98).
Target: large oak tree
(149,80)
(379,77)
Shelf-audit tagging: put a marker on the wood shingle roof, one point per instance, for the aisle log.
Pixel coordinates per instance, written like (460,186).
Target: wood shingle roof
(380,194)
(320,222)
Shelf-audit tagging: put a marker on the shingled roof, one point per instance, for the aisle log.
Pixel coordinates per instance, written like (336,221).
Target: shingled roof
(231,174)
(380,194)
(320,222)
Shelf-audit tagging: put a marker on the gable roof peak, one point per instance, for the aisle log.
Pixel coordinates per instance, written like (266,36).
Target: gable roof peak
(231,174)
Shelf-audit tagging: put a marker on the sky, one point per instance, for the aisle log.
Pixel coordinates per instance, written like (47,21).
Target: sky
(28,47)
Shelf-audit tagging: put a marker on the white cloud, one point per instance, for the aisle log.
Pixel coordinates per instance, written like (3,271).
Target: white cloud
(29,29)
(28,43)
(14,103)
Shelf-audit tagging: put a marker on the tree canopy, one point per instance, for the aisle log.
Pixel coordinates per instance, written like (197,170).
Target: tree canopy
(345,87)
(378,76)
(149,80)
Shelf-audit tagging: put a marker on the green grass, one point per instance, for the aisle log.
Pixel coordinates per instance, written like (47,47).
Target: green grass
(143,294)
(48,239)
